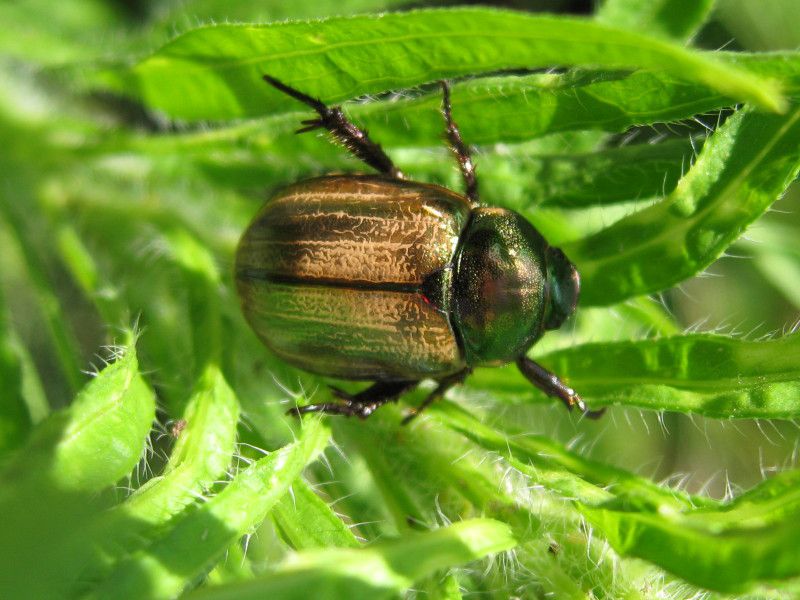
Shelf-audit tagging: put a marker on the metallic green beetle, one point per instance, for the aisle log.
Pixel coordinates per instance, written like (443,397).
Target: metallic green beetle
(377,278)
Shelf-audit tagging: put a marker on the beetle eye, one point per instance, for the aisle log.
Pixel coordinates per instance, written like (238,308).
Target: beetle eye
(565,286)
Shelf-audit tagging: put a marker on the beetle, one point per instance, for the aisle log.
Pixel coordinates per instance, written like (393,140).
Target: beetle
(383,279)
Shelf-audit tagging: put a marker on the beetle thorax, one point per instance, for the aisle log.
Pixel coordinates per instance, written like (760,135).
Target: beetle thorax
(500,286)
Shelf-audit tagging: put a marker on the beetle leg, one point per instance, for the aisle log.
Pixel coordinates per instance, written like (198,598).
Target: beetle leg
(551,385)
(334,120)
(441,389)
(362,404)
(348,409)
(458,146)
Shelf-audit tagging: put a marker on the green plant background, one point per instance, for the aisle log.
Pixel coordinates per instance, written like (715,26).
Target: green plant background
(143,447)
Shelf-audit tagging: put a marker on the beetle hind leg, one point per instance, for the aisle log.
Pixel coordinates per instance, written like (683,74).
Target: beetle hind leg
(551,385)
(441,389)
(346,133)
(362,404)
(460,149)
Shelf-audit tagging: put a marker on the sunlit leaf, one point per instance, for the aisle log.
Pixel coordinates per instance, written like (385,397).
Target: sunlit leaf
(743,168)
(73,449)
(196,542)
(215,72)
(721,546)
(712,375)
(380,571)
(306,521)
(753,537)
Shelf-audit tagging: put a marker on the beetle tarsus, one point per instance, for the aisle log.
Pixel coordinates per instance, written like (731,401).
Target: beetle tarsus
(551,385)
(334,120)
(378,393)
(362,404)
(347,409)
(458,146)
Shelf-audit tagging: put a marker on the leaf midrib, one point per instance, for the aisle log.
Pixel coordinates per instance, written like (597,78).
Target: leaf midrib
(684,225)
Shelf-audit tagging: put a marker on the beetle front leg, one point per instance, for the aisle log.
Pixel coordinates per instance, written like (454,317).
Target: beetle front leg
(551,385)
(459,148)
(362,404)
(334,120)
(441,389)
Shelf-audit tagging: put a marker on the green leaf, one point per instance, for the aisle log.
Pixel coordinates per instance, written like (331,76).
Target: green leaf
(83,267)
(548,463)
(215,72)
(783,66)
(488,110)
(599,178)
(196,542)
(24,164)
(445,475)
(15,420)
(777,256)
(97,440)
(70,32)
(398,497)
(145,217)
(49,489)
(516,109)
(670,18)
(383,570)
(721,546)
(751,539)
(200,456)
(235,567)
(205,440)
(443,589)
(712,375)
(263,11)
(743,168)
(201,278)
(525,178)
(305,521)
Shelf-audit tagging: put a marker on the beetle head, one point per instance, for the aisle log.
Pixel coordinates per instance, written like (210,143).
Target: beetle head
(564,286)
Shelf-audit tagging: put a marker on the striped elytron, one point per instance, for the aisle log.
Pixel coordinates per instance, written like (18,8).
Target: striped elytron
(377,278)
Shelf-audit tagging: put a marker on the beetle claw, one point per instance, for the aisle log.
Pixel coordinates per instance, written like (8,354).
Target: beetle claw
(410,416)
(593,414)
(298,411)
(310,125)
(340,393)
(587,412)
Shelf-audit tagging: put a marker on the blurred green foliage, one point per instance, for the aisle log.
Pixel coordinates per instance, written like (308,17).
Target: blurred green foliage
(138,141)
